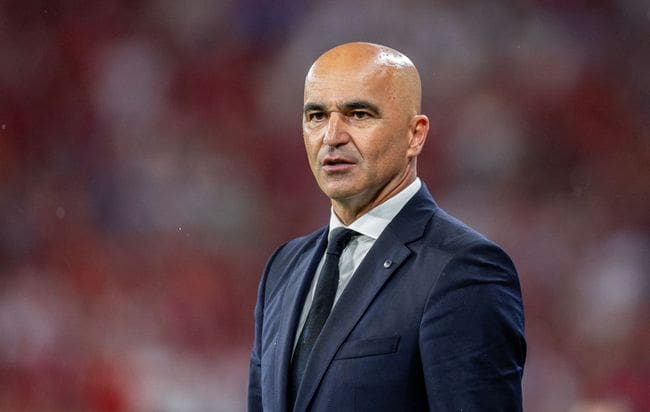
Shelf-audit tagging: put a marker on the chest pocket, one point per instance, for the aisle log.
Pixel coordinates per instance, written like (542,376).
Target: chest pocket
(368,347)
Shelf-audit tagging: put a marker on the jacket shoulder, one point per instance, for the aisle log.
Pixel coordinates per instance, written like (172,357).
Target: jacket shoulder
(285,257)
(441,230)
(452,234)
(291,249)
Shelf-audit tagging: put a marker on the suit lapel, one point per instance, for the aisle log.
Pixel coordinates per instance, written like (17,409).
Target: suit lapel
(382,261)
(294,297)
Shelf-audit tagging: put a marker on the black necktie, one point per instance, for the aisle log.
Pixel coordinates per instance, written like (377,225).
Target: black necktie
(320,307)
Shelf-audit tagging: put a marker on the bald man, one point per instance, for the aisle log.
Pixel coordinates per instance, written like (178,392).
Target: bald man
(395,305)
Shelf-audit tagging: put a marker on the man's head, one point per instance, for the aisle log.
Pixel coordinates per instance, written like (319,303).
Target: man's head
(362,125)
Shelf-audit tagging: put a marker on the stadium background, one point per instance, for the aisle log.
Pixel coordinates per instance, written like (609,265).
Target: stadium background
(151,160)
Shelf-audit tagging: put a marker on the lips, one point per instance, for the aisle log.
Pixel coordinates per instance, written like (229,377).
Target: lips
(337,163)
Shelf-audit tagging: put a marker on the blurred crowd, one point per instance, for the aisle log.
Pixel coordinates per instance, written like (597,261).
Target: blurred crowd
(151,159)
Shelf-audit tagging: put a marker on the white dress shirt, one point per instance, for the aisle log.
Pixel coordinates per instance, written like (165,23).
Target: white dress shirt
(370,226)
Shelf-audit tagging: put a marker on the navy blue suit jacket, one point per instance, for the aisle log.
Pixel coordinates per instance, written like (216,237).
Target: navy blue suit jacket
(431,320)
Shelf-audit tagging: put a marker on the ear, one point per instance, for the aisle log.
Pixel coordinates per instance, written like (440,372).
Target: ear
(418,130)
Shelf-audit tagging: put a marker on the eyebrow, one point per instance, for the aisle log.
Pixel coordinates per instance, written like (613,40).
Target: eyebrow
(345,107)
(314,107)
(359,105)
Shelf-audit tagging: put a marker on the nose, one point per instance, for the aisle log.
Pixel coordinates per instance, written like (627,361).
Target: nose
(336,133)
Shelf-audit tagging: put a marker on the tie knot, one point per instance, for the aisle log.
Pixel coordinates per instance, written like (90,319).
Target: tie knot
(339,240)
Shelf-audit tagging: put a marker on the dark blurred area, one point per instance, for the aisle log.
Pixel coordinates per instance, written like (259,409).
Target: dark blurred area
(151,160)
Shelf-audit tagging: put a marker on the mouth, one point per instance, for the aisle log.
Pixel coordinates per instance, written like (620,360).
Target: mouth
(336,164)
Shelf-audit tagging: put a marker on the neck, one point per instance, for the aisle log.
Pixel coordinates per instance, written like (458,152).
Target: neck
(349,210)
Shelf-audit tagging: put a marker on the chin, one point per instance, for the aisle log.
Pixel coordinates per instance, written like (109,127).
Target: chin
(340,192)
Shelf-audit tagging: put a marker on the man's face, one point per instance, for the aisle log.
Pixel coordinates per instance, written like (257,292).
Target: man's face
(356,132)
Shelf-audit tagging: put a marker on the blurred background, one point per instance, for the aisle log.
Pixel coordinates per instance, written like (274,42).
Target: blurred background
(151,160)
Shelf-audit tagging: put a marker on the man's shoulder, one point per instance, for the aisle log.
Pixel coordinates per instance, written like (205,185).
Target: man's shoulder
(297,246)
(457,240)
(307,240)
(285,258)
(441,228)
(453,232)
(450,235)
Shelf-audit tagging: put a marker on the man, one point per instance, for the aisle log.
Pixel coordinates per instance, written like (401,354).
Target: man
(410,309)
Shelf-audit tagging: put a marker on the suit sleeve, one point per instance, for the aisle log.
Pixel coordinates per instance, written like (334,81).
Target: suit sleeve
(472,334)
(255,368)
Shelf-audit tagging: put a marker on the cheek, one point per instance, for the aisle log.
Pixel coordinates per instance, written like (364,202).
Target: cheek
(390,160)
(383,150)
(311,145)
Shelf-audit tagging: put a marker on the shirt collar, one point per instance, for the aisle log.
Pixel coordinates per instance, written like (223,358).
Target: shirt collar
(375,220)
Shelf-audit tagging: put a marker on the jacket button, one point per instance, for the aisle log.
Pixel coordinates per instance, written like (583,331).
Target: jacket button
(388,263)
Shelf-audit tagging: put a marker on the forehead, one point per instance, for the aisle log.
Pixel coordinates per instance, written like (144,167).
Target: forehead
(338,85)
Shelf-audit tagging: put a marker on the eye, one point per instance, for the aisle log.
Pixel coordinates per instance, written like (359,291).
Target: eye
(359,115)
(315,116)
